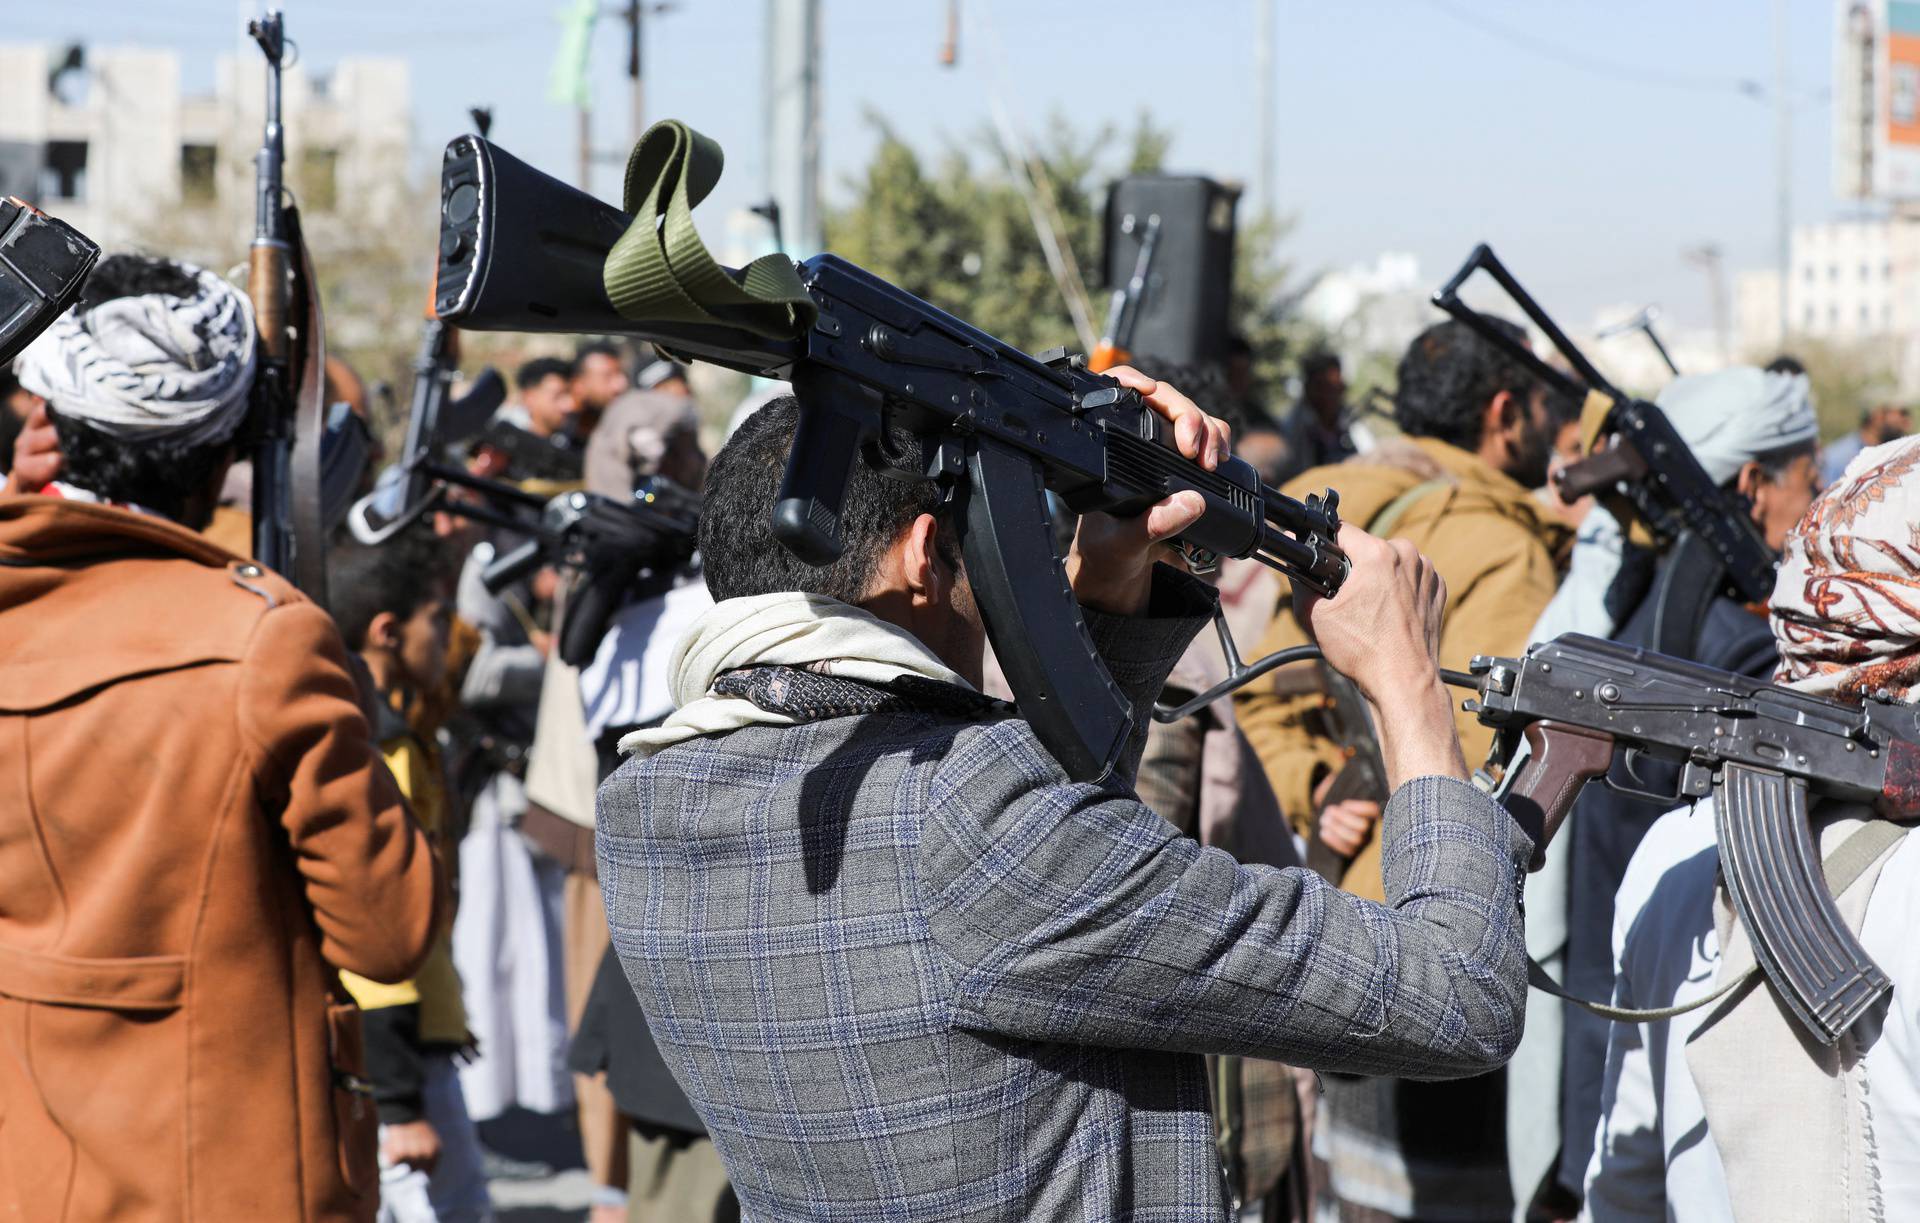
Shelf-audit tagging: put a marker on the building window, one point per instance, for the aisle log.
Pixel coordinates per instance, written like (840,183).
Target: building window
(1886,316)
(1806,273)
(1809,318)
(1865,275)
(196,173)
(1886,270)
(64,175)
(1833,318)
(1833,273)
(318,187)
(1866,317)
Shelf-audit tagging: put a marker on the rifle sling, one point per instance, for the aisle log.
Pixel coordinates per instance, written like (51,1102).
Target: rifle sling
(1848,861)
(661,272)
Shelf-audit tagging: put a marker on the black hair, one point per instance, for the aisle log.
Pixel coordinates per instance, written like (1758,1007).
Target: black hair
(1238,346)
(1318,362)
(135,276)
(597,348)
(1448,376)
(159,475)
(1786,363)
(538,370)
(737,546)
(400,576)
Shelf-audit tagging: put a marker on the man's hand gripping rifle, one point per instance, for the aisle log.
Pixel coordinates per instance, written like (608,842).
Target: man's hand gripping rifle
(524,252)
(1637,463)
(1762,751)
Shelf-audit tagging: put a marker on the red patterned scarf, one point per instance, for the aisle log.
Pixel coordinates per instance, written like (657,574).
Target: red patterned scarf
(1846,606)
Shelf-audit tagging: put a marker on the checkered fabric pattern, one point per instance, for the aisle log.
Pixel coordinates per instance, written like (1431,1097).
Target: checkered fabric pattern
(906,970)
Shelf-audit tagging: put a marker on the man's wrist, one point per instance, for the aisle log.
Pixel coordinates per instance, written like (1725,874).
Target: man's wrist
(1418,735)
(1097,587)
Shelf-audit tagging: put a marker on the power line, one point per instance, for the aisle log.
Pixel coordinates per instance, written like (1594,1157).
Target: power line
(1594,64)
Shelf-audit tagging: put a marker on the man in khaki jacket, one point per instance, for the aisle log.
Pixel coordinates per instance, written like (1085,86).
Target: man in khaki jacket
(1458,485)
(196,833)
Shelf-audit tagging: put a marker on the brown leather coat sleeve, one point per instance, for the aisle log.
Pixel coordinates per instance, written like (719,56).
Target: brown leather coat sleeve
(377,892)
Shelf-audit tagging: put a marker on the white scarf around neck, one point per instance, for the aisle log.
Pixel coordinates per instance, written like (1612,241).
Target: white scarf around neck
(811,632)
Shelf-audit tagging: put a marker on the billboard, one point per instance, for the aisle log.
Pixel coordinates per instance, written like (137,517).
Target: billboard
(1876,100)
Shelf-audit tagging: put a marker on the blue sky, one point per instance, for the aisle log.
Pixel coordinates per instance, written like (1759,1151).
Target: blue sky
(1590,140)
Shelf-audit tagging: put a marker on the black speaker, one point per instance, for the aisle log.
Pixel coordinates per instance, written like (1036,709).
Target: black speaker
(1183,313)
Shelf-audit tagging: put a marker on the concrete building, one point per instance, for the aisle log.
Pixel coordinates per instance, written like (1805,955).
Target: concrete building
(1375,307)
(1849,280)
(114,147)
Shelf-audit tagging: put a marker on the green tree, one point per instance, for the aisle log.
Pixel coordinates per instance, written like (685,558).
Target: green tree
(961,234)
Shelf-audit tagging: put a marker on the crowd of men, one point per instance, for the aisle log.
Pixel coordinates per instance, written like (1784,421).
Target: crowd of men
(778,898)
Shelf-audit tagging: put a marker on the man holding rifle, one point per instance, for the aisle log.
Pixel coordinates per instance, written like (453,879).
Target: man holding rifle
(1754,434)
(903,965)
(1730,1110)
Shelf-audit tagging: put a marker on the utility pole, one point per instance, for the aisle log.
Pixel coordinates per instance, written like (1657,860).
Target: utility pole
(584,135)
(793,121)
(1263,126)
(635,12)
(1707,257)
(1783,152)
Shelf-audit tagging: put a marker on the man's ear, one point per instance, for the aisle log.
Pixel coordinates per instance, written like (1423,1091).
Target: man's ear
(383,631)
(926,576)
(1750,479)
(1501,413)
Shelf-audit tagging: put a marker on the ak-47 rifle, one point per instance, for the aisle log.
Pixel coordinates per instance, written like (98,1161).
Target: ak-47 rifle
(1762,751)
(43,263)
(1637,463)
(521,251)
(1123,310)
(289,411)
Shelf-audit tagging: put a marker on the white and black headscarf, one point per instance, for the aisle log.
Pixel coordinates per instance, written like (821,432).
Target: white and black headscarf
(152,366)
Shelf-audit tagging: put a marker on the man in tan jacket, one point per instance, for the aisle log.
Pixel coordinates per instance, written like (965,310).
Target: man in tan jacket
(196,833)
(1458,485)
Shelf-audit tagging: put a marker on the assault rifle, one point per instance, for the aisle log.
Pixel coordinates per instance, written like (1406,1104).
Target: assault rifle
(43,263)
(998,429)
(289,409)
(1762,751)
(532,457)
(1642,321)
(1637,463)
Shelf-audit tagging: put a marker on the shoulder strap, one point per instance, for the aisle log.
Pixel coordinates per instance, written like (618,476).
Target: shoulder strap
(1848,861)
(1382,523)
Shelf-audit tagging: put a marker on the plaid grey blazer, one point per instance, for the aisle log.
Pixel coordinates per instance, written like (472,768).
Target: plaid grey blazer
(906,970)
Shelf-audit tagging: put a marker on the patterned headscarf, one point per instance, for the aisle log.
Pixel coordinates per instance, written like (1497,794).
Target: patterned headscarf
(152,365)
(1846,606)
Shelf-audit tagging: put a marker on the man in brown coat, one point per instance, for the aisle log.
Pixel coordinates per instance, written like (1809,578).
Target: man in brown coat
(195,832)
